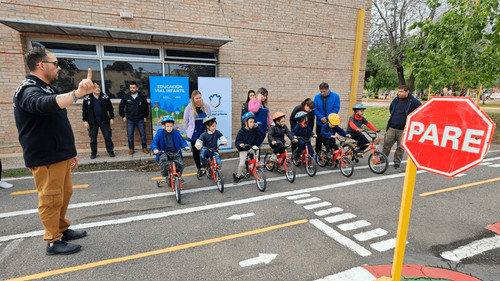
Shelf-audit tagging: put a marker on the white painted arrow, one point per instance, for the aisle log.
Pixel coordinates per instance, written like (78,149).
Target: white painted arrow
(239,217)
(262,258)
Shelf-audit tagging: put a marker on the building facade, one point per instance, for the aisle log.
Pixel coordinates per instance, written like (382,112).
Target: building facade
(288,47)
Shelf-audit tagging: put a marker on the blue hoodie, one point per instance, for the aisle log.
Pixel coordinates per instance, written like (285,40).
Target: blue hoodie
(159,141)
(332,106)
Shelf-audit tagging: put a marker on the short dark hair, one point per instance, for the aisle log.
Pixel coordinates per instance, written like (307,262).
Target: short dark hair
(210,123)
(133,83)
(405,88)
(309,102)
(324,86)
(36,55)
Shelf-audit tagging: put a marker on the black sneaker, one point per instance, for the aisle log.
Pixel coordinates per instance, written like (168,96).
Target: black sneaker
(397,166)
(70,234)
(181,179)
(62,248)
(92,156)
(111,154)
(236,178)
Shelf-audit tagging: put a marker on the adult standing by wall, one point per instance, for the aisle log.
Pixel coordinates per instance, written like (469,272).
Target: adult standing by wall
(97,112)
(193,120)
(48,144)
(400,107)
(325,103)
(250,96)
(259,107)
(134,110)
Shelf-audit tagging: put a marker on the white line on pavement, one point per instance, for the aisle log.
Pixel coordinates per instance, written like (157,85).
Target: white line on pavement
(211,206)
(295,197)
(385,245)
(367,235)
(353,274)
(308,200)
(353,225)
(341,217)
(472,249)
(317,205)
(329,211)
(353,246)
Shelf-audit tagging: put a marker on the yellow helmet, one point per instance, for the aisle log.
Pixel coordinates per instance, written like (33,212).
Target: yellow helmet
(334,119)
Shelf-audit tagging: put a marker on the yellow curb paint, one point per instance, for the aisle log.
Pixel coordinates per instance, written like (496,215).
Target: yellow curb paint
(383,279)
(156,252)
(185,175)
(35,191)
(458,187)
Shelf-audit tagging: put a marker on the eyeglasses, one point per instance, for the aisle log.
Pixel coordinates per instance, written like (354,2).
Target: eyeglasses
(55,63)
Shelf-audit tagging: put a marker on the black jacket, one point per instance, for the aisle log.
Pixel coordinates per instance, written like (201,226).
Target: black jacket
(310,117)
(88,114)
(44,129)
(134,109)
(277,133)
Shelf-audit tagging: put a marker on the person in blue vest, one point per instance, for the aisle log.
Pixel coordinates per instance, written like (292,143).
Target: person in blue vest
(325,103)
(193,120)
(171,142)
(259,107)
(404,104)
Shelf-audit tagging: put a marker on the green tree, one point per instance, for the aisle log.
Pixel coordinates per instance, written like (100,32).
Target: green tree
(462,49)
(380,74)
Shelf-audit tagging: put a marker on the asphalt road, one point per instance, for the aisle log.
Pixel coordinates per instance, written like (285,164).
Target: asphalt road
(312,228)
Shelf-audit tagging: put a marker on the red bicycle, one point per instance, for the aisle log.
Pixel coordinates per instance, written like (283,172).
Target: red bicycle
(377,161)
(336,158)
(214,171)
(306,159)
(282,161)
(252,167)
(172,178)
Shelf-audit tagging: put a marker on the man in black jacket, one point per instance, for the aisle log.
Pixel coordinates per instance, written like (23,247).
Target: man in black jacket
(97,112)
(48,144)
(400,108)
(134,110)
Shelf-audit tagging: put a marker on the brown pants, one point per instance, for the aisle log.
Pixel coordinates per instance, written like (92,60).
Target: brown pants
(54,186)
(394,136)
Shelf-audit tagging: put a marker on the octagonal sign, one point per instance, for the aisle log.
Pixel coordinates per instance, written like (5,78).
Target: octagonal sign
(447,135)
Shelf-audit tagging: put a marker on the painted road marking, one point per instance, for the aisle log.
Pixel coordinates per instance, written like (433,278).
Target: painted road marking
(367,235)
(356,273)
(317,205)
(9,249)
(184,175)
(262,258)
(36,191)
(385,245)
(458,187)
(494,227)
(341,217)
(295,197)
(494,166)
(200,208)
(156,252)
(239,217)
(329,211)
(308,200)
(353,225)
(343,240)
(472,249)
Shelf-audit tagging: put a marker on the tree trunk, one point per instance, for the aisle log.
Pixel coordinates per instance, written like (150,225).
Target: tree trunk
(401,76)
(411,82)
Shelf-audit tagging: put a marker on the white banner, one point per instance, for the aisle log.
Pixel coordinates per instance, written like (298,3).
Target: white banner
(217,93)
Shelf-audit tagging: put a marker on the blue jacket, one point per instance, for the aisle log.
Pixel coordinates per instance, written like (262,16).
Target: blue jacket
(159,143)
(328,132)
(303,132)
(332,106)
(412,104)
(250,137)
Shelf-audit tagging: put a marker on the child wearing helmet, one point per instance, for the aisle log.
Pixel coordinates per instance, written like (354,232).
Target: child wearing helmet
(209,139)
(247,137)
(328,132)
(303,131)
(354,127)
(276,135)
(169,140)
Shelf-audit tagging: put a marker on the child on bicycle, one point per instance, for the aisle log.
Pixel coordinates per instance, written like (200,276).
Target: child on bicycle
(276,135)
(354,127)
(302,132)
(209,139)
(171,142)
(328,132)
(247,137)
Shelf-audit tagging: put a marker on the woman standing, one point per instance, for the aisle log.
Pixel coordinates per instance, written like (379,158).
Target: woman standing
(250,96)
(307,105)
(193,120)
(259,107)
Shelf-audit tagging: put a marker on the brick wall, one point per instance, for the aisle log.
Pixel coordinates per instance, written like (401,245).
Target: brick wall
(284,46)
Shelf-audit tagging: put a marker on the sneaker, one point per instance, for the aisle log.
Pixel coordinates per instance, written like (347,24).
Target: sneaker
(236,178)
(111,154)
(397,166)
(273,158)
(70,234)
(201,172)
(62,248)
(92,156)
(5,185)
(181,179)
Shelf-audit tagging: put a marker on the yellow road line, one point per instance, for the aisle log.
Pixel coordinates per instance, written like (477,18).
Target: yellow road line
(156,252)
(35,191)
(185,175)
(458,187)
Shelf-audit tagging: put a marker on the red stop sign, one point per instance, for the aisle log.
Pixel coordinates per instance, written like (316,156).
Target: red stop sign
(447,135)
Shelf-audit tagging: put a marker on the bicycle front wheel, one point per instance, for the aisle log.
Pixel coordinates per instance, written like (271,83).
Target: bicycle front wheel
(289,170)
(218,180)
(267,163)
(378,162)
(177,189)
(310,167)
(260,179)
(322,158)
(346,166)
